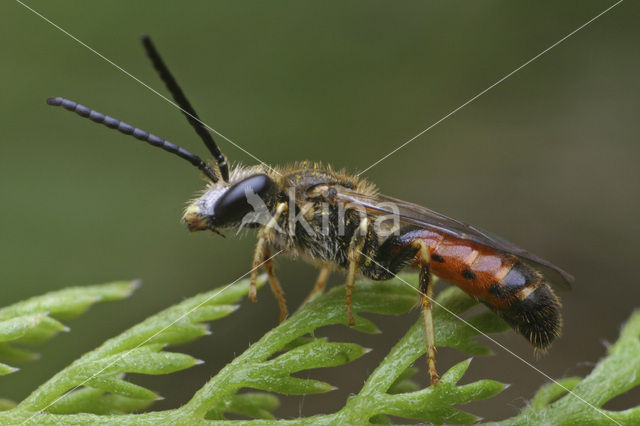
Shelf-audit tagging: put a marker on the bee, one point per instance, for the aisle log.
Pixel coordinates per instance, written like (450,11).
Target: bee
(339,221)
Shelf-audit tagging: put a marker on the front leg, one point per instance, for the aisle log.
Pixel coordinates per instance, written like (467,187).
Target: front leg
(261,256)
(278,292)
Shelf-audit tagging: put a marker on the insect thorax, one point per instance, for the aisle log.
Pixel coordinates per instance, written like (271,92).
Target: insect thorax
(316,228)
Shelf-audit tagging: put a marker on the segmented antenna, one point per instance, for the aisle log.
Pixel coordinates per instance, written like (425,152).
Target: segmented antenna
(128,129)
(183,103)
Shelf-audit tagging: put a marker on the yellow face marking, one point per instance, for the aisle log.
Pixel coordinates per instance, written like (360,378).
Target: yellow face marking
(194,220)
(192,210)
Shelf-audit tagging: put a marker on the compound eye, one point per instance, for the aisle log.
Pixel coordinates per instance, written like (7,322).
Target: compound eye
(233,204)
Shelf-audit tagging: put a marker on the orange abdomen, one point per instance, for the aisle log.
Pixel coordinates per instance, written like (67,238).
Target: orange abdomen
(514,290)
(478,270)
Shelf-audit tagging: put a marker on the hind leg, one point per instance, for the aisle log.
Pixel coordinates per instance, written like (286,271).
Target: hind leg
(392,256)
(426,296)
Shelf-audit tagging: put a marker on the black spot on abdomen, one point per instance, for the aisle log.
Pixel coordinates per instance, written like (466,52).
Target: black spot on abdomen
(469,274)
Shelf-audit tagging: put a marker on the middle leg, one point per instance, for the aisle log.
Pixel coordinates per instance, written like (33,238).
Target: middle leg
(321,283)
(355,254)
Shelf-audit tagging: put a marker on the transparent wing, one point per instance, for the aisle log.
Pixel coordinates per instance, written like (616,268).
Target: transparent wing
(423,217)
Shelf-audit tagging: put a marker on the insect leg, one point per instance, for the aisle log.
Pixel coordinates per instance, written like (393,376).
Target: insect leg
(355,253)
(259,253)
(321,283)
(275,284)
(426,296)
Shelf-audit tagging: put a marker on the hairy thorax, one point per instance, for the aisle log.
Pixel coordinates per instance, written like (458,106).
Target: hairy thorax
(316,229)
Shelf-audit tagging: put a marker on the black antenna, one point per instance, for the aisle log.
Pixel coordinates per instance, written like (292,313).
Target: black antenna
(183,103)
(128,129)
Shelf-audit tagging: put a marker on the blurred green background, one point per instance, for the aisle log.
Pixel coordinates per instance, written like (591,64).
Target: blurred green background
(548,159)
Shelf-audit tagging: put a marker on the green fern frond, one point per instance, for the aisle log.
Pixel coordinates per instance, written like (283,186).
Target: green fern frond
(617,373)
(95,383)
(94,388)
(37,319)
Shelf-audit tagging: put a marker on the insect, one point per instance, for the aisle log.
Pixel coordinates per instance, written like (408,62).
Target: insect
(338,221)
